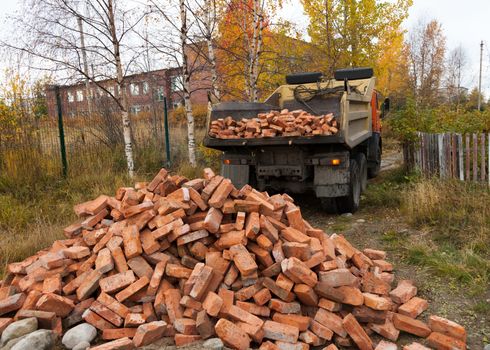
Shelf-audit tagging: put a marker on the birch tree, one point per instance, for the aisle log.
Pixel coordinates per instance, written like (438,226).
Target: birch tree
(51,34)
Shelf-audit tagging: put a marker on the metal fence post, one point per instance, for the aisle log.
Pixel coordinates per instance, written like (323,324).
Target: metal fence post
(167,139)
(64,163)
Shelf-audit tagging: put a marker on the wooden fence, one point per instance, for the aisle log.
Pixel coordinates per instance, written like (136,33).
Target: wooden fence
(460,156)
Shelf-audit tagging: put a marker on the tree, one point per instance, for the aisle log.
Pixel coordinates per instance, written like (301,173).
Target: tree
(354,32)
(51,34)
(455,69)
(427,46)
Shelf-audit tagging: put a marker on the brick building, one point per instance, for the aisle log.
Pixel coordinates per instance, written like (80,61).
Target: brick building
(145,93)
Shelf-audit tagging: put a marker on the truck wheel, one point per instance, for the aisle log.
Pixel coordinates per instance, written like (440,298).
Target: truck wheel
(329,205)
(350,203)
(361,160)
(374,169)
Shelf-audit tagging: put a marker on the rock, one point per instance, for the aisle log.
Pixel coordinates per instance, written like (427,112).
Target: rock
(360,221)
(213,343)
(487,347)
(12,342)
(84,345)
(18,329)
(346,215)
(42,339)
(82,333)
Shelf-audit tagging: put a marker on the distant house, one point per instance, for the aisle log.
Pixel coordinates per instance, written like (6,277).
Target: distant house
(145,92)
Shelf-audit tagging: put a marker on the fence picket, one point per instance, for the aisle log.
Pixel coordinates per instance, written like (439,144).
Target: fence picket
(460,156)
(475,158)
(467,165)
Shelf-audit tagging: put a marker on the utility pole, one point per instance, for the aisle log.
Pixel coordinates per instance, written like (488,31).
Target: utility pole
(85,64)
(479,80)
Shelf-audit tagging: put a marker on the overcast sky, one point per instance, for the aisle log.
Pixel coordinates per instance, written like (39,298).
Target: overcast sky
(465,23)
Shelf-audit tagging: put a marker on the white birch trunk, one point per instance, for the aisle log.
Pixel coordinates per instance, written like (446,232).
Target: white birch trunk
(126,122)
(255,51)
(191,142)
(209,18)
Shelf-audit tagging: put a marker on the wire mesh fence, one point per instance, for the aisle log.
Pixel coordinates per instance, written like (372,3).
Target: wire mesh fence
(30,148)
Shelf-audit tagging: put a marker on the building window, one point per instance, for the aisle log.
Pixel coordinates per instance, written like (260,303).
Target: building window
(134,89)
(79,95)
(146,88)
(177,83)
(135,109)
(71,98)
(160,93)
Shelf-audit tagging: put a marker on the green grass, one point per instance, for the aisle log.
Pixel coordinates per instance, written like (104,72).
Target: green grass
(450,222)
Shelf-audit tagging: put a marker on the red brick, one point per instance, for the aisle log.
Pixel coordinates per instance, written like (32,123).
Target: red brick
(280,331)
(281,345)
(172,302)
(343,246)
(284,307)
(311,338)
(298,321)
(220,194)
(132,289)
(89,284)
(387,329)
(268,230)
(239,314)
(262,311)
(331,321)
(106,313)
(177,271)
(117,333)
(184,339)
(97,321)
(204,326)
(119,344)
(113,304)
(134,319)
(76,252)
(131,241)
(212,304)
(232,335)
(329,305)
(443,342)
(292,235)
(409,325)
(447,327)
(262,296)
(243,260)
(413,307)
(276,290)
(385,345)
(415,346)
(185,326)
(306,294)
(252,225)
(156,277)
(320,330)
(254,331)
(61,306)
(357,333)
(297,271)
(377,302)
(337,278)
(213,220)
(295,220)
(117,282)
(52,284)
(404,291)
(140,267)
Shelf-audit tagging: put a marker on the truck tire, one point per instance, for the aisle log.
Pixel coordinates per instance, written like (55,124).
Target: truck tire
(375,167)
(361,160)
(350,203)
(329,205)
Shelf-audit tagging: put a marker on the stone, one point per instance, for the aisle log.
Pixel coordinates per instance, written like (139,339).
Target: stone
(18,329)
(82,346)
(213,344)
(82,332)
(42,339)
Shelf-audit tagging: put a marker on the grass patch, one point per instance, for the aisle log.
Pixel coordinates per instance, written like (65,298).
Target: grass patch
(387,190)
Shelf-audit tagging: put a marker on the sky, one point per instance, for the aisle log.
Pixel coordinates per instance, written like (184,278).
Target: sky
(464,23)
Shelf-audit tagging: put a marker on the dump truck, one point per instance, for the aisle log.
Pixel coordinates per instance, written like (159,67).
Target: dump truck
(334,167)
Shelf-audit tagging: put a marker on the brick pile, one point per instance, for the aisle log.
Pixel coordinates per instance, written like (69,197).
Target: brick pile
(194,259)
(275,123)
